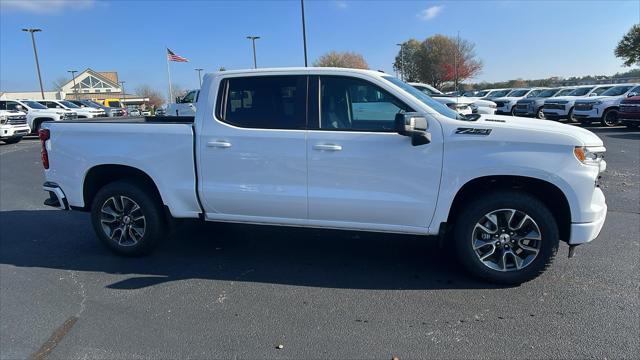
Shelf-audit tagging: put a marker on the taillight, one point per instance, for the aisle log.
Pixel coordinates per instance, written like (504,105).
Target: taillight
(44,135)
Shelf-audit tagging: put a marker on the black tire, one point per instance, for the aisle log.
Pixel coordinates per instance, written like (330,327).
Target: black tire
(473,212)
(540,113)
(149,206)
(610,118)
(12,140)
(570,117)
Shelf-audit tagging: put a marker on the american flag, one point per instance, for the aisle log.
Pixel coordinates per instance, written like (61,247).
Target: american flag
(173,57)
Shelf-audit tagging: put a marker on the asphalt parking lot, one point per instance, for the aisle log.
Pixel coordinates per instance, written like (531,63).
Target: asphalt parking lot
(234,291)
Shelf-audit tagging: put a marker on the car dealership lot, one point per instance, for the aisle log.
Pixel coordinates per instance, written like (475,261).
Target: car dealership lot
(221,290)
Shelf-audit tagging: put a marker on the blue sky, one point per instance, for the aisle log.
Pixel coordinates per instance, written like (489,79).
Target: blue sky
(514,39)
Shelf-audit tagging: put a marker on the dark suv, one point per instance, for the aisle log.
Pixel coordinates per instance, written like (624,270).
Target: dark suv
(629,112)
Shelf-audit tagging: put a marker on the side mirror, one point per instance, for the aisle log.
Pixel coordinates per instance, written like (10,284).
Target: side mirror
(19,108)
(58,107)
(632,94)
(414,125)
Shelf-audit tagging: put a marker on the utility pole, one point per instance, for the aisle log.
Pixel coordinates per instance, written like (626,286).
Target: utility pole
(304,33)
(455,64)
(73,75)
(199,76)
(401,61)
(253,40)
(35,53)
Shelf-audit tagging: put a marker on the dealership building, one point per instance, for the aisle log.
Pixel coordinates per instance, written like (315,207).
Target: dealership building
(89,84)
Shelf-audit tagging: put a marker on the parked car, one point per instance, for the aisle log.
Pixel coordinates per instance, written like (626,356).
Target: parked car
(507,104)
(134,112)
(629,113)
(533,106)
(160,112)
(490,94)
(13,126)
(356,150)
(111,111)
(461,104)
(604,108)
(81,112)
(36,112)
(145,113)
(184,106)
(561,107)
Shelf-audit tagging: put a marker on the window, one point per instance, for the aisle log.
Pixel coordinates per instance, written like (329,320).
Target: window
(12,105)
(427,100)
(354,104)
(267,102)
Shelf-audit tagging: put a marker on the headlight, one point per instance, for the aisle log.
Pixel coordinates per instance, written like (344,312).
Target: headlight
(591,155)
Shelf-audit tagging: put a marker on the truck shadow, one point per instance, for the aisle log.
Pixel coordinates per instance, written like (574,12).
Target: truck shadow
(262,254)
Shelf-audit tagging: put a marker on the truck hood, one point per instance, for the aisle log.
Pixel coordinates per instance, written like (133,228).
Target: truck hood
(508,98)
(602,98)
(575,135)
(485,103)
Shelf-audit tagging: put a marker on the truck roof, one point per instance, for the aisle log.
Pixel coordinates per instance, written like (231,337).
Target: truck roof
(301,70)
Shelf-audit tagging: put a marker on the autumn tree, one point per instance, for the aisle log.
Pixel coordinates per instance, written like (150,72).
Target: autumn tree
(342,59)
(628,48)
(155,98)
(439,59)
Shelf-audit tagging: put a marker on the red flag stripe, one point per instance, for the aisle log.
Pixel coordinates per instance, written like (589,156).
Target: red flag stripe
(173,57)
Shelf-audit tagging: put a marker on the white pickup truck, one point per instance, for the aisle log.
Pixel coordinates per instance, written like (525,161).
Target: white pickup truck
(335,148)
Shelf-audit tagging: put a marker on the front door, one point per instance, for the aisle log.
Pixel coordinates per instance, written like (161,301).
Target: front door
(252,151)
(360,170)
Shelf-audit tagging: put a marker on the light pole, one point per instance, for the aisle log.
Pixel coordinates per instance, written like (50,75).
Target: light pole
(124,94)
(253,40)
(199,76)
(73,75)
(35,53)
(401,61)
(304,33)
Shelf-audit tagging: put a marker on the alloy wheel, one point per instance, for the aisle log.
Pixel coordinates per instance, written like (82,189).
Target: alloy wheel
(506,240)
(122,220)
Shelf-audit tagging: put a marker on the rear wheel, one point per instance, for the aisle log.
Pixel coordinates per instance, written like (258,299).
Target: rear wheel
(127,219)
(610,118)
(506,237)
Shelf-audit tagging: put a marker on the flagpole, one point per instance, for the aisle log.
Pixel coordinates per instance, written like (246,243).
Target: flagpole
(166,55)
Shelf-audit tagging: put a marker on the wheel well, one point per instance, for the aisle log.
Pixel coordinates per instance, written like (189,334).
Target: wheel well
(549,194)
(609,109)
(101,175)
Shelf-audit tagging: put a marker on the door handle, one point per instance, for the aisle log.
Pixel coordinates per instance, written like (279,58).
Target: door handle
(327,147)
(219,144)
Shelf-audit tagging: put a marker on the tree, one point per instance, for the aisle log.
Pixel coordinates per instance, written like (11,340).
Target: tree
(438,59)
(342,59)
(628,48)
(155,98)
(59,83)
(407,60)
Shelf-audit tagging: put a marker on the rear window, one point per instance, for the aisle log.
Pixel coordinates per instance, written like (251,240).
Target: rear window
(266,102)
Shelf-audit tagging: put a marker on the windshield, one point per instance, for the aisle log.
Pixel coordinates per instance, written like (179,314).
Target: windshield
(115,104)
(617,90)
(34,105)
(424,89)
(564,92)
(548,93)
(91,103)
(440,108)
(600,90)
(482,93)
(69,104)
(518,93)
(581,91)
(497,93)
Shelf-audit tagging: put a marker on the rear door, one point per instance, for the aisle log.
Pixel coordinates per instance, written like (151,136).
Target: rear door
(362,174)
(253,161)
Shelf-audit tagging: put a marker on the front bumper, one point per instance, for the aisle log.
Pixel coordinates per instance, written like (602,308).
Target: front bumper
(14,131)
(582,233)
(593,114)
(56,199)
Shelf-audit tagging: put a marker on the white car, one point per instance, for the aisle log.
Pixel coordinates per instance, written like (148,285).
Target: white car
(561,107)
(490,94)
(604,108)
(134,112)
(507,104)
(271,147)
(82,112)
(184,106)
(145,113)
(36,112)
(461,104)
(13,125)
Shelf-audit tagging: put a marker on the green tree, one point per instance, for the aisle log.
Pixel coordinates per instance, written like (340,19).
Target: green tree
(342,60)
(407,60)
(628,48)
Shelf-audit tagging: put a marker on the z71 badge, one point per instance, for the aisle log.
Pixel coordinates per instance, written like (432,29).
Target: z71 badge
(473,131)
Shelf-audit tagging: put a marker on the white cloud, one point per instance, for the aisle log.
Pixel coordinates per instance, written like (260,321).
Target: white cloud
(46,6)
(430,12)
(341,4)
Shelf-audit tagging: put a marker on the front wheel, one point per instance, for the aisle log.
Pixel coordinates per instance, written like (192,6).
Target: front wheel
(127,218)
(610,118)
(540,113)
(506,237)
(513,110)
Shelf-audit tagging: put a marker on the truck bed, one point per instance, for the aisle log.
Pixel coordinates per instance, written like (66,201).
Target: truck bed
(138,119)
